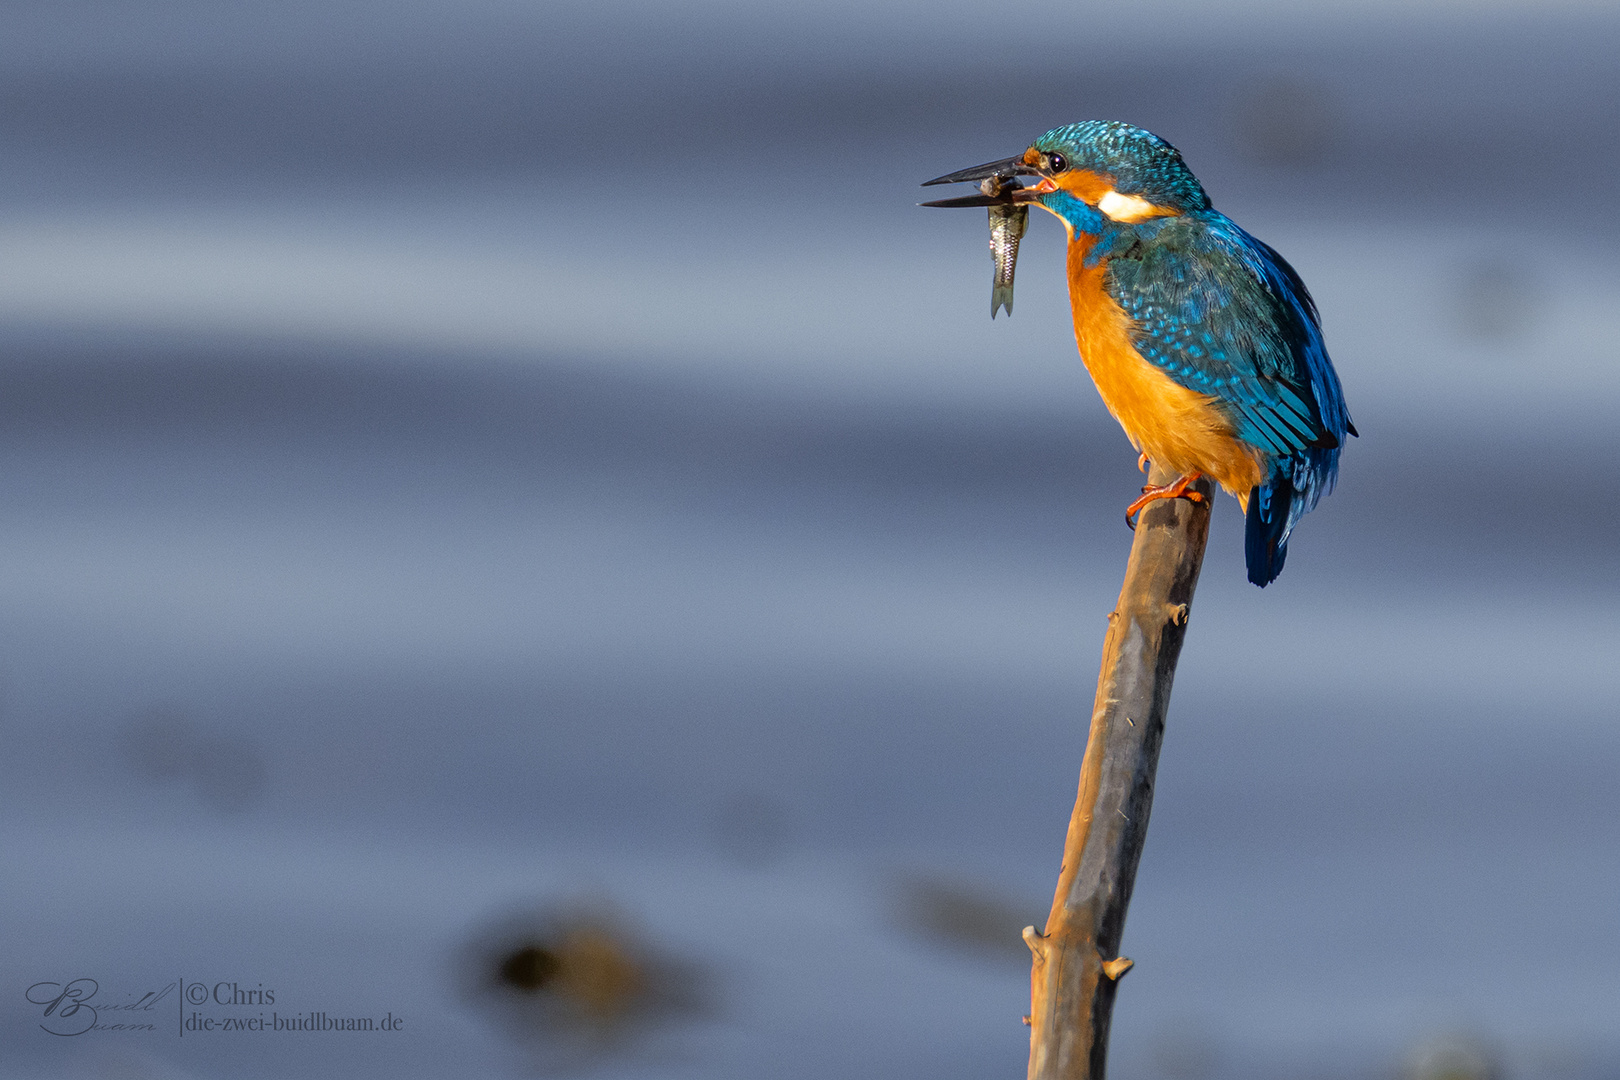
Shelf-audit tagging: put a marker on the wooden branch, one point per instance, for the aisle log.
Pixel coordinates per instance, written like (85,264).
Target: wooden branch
(1076,962)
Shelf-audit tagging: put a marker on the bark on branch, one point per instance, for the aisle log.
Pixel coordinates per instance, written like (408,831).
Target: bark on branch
(1076,962)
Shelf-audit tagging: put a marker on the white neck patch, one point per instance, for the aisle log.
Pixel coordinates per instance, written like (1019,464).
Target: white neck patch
(1127,208)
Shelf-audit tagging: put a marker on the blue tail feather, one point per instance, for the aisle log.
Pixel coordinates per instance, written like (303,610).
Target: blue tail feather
(1294,488)
(1265,529)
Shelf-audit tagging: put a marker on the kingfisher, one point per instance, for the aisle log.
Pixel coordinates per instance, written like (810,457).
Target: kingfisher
(1203,342)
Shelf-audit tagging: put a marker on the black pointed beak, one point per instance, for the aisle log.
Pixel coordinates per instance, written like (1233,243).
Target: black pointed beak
(1006,194)
(1006,198)
(1013,166)
(996,186)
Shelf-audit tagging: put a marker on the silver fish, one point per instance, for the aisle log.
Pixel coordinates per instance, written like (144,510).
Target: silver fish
(1007,224)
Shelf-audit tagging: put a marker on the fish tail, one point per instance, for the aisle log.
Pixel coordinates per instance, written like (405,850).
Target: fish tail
(1001,296)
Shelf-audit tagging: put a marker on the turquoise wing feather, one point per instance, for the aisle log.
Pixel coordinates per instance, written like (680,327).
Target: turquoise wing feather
(1223,314)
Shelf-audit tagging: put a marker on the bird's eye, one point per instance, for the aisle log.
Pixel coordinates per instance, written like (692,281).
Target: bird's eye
(1056,162)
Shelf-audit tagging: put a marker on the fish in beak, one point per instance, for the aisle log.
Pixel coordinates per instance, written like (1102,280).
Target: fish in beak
(1007,201)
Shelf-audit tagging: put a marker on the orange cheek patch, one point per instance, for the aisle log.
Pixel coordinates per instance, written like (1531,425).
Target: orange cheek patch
(1086,186)
(1098,190)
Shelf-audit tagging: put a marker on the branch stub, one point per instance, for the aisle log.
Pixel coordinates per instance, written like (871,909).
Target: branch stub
(1118,966)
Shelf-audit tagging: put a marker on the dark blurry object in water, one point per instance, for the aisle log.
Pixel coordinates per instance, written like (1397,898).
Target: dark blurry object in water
(1494,302)
(165,746)
(588,967)
(1453,1057)
(752,829)
(529,969)
(1286,123)
(965,917)
(574,984)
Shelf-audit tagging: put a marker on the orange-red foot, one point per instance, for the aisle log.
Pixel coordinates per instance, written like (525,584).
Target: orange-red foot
(1177,490)
(1141,463)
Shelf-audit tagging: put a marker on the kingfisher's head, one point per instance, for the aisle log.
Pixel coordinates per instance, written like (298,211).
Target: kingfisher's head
(1094,170)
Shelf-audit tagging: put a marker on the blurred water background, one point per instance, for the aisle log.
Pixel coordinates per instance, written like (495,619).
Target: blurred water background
(486,484)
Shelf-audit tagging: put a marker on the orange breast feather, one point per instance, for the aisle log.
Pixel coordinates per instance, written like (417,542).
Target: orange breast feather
(1178,429)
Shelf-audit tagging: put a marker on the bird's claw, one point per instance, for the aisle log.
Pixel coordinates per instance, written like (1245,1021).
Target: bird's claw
(1176,490)
(1142,464)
